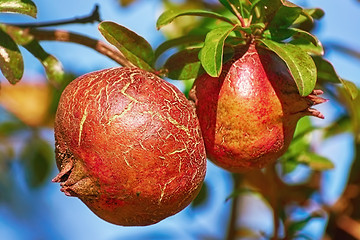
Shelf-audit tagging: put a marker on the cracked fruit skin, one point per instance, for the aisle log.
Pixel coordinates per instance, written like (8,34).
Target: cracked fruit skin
(129,145)
(249,113)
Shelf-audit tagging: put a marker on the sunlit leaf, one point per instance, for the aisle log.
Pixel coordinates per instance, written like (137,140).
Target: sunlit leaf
(285,17)
(241,6)
(315,161)
(288,166)
(11,61)
(316,13)
(211,55)
(300,64)
(181,41)
(37,158)
(53,67)
(266,8)
(184,65)
(18,6)
(168,16)
(309,15)
(307,42)
(327,73)
(134,47)
(309,47)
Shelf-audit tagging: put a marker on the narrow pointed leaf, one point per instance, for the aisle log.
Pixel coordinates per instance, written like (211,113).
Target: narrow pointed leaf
(300,64)
(241,6)
(53,67)
(285,17)
(211,55)
(11,61)
(315,161)
(298,34)
(168,16)
(18,6)
(308,16)
(327,73)
(308,46)
(181,41)
(135,48)
(267,9)
(184,65)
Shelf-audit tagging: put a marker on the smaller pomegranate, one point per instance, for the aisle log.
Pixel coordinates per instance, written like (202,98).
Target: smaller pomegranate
(248,115)
(129,145)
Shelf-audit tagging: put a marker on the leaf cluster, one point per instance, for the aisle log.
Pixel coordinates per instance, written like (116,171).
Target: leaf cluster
(11,37)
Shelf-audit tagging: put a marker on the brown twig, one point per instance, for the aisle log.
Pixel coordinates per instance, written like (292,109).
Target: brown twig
(94,16)
(231,232)
(99,46)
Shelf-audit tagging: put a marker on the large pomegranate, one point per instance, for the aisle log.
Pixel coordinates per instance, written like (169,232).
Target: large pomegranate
(249,113)
(129,145)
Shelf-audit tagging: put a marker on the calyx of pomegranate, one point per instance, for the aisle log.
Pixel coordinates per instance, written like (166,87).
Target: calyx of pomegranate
(248,115)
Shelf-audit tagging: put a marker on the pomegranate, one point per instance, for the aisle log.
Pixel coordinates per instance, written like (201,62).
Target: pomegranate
(248,115)
(129,145)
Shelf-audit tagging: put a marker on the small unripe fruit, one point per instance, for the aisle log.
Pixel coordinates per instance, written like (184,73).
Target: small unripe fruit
(248,115)
(129,145)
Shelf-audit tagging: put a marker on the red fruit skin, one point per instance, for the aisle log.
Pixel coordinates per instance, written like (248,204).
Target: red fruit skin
(248,115)
(129,145)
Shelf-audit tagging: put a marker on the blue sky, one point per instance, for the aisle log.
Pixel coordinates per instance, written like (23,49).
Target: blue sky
(52,215)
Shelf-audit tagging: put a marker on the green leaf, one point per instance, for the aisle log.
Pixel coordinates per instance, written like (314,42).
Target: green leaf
(11,61)
(301,34)
(285,17)
(308,47)
(37,158)
(341,125)
(266,9)
(300,64)
(288,166)
(315,161)
(315,13)
(201,197)
(53,67)
(241,6)
(350,88)
(168,16)
(327,73)
(8,128)
(184,65)
(18,6)
(134,47)
(183,41)
(211,55)
(297,226)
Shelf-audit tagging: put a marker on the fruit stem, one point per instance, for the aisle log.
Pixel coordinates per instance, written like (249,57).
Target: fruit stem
(65,36)
(94,16)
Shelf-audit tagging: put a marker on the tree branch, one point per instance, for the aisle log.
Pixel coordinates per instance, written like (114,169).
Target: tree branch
(97,45)
(94,16)
(231,232)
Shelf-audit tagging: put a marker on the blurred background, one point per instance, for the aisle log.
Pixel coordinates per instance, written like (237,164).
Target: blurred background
(32,207)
